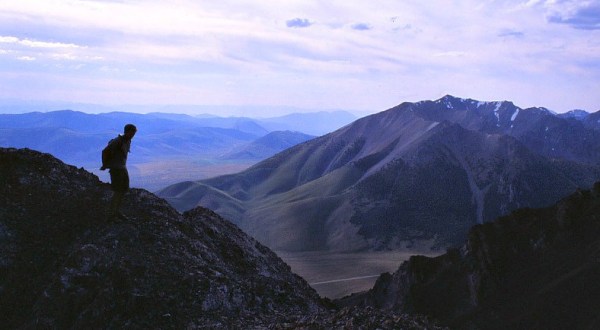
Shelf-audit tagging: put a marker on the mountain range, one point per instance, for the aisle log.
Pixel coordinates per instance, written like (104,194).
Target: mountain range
(532,269)
(64,266)
(419,174)
(182,143)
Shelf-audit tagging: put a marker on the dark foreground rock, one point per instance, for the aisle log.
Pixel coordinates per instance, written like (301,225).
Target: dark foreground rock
(533,269)
(62,265)
(359,318)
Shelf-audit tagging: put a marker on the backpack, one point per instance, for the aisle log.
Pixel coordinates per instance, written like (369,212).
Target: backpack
(107,155)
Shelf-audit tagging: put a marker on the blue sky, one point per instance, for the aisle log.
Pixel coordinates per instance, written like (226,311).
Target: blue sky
(356,55)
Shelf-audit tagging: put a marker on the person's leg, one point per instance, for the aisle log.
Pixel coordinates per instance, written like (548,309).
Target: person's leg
(115,204)
(120,185)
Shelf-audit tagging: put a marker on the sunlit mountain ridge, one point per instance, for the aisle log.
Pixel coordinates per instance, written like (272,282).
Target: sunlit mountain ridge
(417,175)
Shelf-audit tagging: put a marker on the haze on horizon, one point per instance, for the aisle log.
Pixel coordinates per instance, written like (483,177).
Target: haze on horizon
(354,55)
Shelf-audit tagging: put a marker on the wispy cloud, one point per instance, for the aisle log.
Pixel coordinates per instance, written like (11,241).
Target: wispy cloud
(8,40)
(298,23)
(585,18)
(361,26)
(584,15)
(511,33)
(35,43)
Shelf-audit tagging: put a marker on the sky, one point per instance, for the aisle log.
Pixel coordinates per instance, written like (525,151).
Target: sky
(360,55)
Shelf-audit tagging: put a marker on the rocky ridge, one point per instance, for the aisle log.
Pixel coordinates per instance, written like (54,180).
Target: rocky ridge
(532,269)
(63,266)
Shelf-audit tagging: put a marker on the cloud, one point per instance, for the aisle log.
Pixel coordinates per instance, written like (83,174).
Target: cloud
(511,33)
(24,49)
(8,40)
(584,18)
(35,43)
(361,26)
(582,15)
(451,54)
(234,51)
(43,44)
(298,23)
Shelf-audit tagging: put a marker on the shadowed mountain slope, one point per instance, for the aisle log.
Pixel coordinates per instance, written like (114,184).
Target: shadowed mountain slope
(532,269)
(419,173)
(267,145)
(63,266)
(593,121)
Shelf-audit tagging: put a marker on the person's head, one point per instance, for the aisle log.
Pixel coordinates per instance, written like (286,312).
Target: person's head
(129,131)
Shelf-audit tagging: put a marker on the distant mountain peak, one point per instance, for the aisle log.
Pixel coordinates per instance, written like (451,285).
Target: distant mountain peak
(452,102)
(461,104)
(453,98)
(450,163)
(575,114)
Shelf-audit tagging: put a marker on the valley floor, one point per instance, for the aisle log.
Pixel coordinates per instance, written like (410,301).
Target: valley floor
(335,275)
(154,176)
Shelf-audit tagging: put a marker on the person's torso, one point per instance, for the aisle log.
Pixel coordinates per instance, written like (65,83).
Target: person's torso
(120,148)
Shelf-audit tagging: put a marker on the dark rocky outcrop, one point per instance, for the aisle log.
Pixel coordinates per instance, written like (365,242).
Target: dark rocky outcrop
(62,265)
(532,269)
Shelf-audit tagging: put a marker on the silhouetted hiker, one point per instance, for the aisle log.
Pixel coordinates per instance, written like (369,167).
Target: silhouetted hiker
(114,157)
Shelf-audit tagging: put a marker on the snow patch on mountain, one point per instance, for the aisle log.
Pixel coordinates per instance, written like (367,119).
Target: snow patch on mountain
(434,124)
(514,116)
(498,105)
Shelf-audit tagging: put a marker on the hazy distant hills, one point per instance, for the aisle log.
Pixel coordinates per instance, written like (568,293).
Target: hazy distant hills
(83,147)
(168,147)
(313,123)
(316,123)
(417,174)
(309,121)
